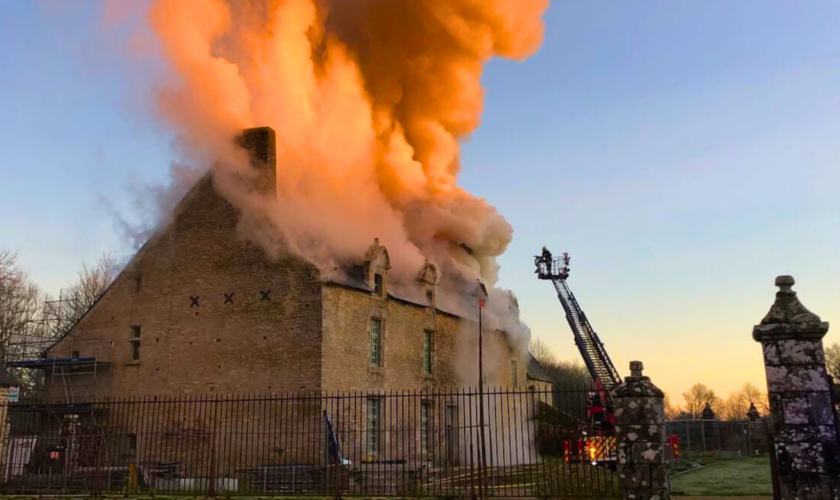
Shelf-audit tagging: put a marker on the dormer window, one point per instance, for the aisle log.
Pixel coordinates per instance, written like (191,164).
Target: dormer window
(378,289)
(428,280)
(377,264)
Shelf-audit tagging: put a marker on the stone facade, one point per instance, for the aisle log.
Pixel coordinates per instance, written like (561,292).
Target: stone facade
(212,313)
(798,386)
(202,312)
(640,436)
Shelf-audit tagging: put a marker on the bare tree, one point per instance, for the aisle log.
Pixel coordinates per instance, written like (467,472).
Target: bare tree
(19,303)
(738,403)
(90,284)
(832,361)
(697,397)
(29,322)
(736,406)
(564,373)
(671,412)
(20,313)
(541,352)
(756,396)
(571,373)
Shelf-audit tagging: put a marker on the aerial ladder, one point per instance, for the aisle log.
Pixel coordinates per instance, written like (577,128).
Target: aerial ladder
(595,357)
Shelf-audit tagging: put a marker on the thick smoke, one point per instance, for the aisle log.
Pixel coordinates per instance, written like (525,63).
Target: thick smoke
(369,99)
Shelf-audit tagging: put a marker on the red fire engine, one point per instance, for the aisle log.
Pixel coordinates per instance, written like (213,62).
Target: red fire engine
(598,446)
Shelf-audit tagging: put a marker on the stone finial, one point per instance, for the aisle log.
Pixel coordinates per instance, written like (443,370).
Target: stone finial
(708,413)
(428,274)
(752,413)
(378,255)
(787,317)
(637,384)
(785,283)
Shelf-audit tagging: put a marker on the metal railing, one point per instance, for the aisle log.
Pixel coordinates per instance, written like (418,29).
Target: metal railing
(722,438)
(404,443)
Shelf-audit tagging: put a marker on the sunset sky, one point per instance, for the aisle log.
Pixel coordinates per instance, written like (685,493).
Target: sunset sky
(684,153)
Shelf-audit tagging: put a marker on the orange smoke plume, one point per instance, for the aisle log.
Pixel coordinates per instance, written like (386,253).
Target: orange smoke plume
(369,99)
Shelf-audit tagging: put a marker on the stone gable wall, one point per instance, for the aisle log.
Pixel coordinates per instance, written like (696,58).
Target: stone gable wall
(247,345)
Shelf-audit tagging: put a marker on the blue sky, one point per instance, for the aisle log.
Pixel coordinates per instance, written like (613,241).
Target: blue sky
(685,153)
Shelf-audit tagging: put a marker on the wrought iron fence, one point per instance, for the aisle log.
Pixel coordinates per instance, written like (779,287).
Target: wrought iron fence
(534,443)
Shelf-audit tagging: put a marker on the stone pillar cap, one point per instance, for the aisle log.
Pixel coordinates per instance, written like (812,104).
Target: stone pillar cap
(785,282)
(788,318)
(637,384)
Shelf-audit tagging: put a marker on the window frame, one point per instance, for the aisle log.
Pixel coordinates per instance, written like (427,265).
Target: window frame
(134,343)
(130,450)
(378,284)
(426,427)
(428,352)
(373,427)
(376,342)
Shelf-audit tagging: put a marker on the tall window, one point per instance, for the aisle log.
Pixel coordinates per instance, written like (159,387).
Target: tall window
(453,441)
(514,373)
(134,343)
(373,417)
(377,284)
(425,426)
(132,445)
(428,352)
(375,342)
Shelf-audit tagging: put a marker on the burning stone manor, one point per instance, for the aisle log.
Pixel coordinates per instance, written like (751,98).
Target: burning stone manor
(201,310)
(203,334)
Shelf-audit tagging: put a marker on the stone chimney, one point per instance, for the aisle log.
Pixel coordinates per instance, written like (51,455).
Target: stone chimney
(261,142)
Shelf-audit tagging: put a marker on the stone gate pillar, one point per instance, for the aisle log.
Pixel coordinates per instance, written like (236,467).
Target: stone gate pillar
(806,447)
(640,436)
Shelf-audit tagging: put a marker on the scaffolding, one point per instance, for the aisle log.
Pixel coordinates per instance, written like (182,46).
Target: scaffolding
(80,356)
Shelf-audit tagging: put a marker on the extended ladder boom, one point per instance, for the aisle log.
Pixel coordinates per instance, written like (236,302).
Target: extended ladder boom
(591,348)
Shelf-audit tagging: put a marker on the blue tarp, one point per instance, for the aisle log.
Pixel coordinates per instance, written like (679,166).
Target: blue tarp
(45,363)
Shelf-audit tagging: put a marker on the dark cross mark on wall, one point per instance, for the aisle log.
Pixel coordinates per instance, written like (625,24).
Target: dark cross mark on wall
(266,296)
(229,298)
(194,301)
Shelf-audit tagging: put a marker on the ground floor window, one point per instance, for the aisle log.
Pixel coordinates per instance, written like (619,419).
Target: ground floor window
(425,427)
(374,416)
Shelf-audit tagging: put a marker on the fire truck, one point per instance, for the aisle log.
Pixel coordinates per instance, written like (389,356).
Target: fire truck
(597,444)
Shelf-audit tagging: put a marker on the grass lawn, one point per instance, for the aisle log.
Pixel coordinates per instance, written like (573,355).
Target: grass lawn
(742,476)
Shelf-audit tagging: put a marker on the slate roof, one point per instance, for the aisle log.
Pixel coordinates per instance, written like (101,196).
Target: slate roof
(536,371)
